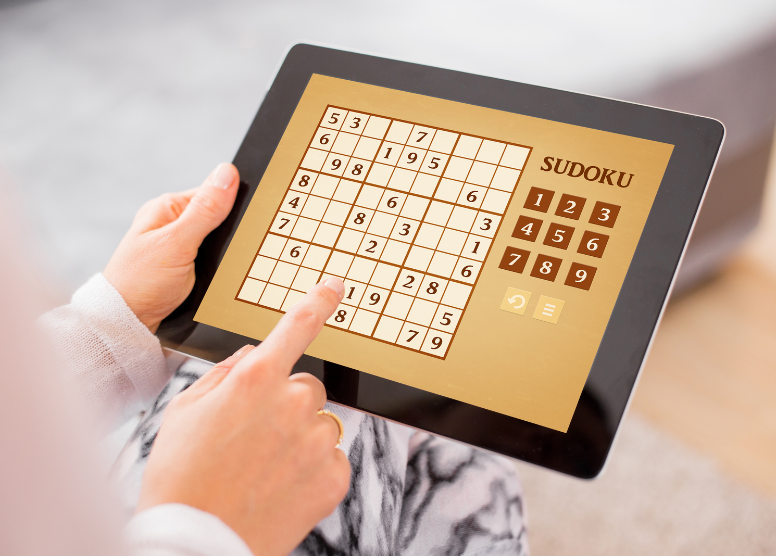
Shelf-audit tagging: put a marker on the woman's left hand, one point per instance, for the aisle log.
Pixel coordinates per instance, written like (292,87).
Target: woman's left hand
(153,266)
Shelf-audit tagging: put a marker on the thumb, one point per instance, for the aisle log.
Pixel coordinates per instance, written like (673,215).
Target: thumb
(210,205)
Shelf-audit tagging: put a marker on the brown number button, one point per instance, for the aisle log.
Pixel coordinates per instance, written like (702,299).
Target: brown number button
(546,267)
(580,276)
(558,236)
(527,228)
(539,199)
(570,206)
(514,259)
(593,244)
(604,214)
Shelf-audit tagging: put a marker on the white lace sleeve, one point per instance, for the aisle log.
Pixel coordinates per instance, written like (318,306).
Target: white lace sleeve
(177,530)
(111,357)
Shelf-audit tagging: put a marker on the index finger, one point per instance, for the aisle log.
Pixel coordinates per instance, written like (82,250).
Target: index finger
(296,330)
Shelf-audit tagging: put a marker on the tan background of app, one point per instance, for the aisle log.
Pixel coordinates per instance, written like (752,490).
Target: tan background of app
(498,360)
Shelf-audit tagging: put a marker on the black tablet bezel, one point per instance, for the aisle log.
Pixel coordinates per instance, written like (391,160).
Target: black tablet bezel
(583,449)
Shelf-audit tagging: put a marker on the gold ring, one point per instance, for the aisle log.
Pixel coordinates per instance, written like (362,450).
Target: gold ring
(339,425)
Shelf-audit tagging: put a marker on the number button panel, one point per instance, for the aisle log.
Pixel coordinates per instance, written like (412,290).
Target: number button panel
(514,259)
(539,199)
(558,236)
(546,267)
(527,228)
(403,213)
(593,244)
(604,214)
(570,206)
(580,276)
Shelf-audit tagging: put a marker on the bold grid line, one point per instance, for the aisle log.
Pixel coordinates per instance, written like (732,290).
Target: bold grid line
(403,270)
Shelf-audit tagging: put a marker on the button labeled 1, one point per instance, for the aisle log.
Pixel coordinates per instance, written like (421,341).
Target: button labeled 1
(515,301)
(548,309)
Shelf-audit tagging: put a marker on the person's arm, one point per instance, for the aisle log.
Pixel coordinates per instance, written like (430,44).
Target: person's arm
(105,335)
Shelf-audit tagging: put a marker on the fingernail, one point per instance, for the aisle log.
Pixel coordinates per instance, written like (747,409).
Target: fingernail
(242,350)
(336,285)
(223,176)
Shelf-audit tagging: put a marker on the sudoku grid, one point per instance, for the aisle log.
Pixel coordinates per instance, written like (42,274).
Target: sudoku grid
(404,213)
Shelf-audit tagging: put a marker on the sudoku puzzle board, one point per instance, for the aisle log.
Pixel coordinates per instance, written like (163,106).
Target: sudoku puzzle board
(403,212)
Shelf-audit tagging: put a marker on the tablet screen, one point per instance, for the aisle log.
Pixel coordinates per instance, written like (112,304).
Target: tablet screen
(482,251)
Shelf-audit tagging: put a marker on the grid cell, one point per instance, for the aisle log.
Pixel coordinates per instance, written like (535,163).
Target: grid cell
(366,148)
(392,202)
(448,190)
(458,168)
(283,223)
(429,235)
(424,184)
(432,289)
(414,207)
(314,159)
(434,163)
(316,257)
(388,329)
(284,273)
(353,292)
(485,224)
(394,251)
(505,179)
(443,142)
(355,122)
(327,234)
(389,153)
(411,158)
(273,296)
(422,312)
(339,264)
(467,270)
(324,138)
(361,269)
(349,240)
(369,196)
(357,169)
(251,290)
(446,318)
(359,219)
(399,132)
(514,157)
(315,207)
(405,229)
(363,322)
(262,268)
(462,219)
(398,305)
(418,258)
(452,242)
(337,213)
(335,164)
(325,186)
(384,275)
(380,174)
(408,282)
(496,201)
(376,127)
(272,246)
(374,298)
(402,179)
(294,251)
(467,146)
(303,181)
(347,191)
(305,279)
(294,202)
(476,247)
(334,117)
(438,213)
(411,336)
(491,151)
(372,246)
(436,343)
(456,295)
(382,224)
(292,298)
(342,317)
(471,195)
(481,173)
(442,264)
(421,136)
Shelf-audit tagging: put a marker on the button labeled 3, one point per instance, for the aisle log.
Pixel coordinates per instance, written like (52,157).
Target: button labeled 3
(548,309)
(515,301)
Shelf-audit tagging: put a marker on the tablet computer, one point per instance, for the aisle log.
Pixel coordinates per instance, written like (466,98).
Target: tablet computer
(507,249)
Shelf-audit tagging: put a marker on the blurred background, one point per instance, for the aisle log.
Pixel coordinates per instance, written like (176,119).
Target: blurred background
(104,105)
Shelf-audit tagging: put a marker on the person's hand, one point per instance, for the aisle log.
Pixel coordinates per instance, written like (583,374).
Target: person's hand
(153,266)
(245,443)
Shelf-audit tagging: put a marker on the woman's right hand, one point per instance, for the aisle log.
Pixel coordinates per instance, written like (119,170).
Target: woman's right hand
(245,442)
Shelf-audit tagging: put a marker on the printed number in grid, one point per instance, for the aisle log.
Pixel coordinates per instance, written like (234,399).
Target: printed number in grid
(403,213)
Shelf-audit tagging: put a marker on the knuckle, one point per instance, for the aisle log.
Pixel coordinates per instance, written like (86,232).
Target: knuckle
(339,479)
(206,206)
(305,317)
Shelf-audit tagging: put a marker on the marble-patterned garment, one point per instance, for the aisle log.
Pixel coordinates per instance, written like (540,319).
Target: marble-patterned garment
(411,494)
